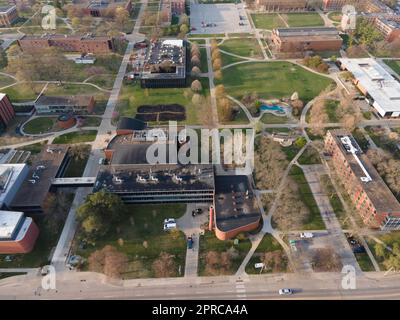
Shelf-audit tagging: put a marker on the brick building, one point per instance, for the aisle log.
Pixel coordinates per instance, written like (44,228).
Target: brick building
(282,5)
(73,43)
(298,40)
(390,29)
(7,112)
(8,14)
(372,198)
(18,233)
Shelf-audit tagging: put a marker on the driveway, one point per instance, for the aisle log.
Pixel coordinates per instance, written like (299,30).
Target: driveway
(191,227)
(338,240)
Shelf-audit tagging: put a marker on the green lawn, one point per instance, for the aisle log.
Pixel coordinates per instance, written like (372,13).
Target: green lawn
(334,200)
(335,16)
(73,89)
(104,81)
(133,96)
(267,21)
(228,59)
(203,60)
(5,81)
(269,118)
(40,125)
(394,65)
(144,223)
(364,261)
(273,80)
(245,47)
(209,242)
(23,92)
(91,121)
(310,156)
(4,275)
(314,221)
(330,108)
(304,19)
(76,137)
(268,244)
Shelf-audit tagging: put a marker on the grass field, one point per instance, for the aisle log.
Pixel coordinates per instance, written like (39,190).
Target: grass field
(273,80)
(244,47)
(22,92)
(144,223)
(228,59)
(40,125)
(335,16)
(133,96)
(267,21)
(269,118)
(394,65)
(5,81)
(310,156)
(314,221)
(209,242)
(330,108)
(268,244)
(76,137)
(303,19)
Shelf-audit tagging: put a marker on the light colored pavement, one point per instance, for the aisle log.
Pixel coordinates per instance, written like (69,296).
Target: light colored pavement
(191,227)
(338,240)
(85,285)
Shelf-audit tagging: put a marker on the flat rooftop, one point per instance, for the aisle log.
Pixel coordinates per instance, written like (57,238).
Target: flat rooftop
(172,51)
(9,221)
(381,86)
(50,36)
(235,203)
(374,186)
(42,171)
(306,31)
(155,178)
(64,100)
(9,173)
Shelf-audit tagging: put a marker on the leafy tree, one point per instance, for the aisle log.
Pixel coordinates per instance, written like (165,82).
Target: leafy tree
(121,17)
(184,28)
(196,86)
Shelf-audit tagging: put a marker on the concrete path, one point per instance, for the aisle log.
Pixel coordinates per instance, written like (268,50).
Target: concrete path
(338,240)
(191,227)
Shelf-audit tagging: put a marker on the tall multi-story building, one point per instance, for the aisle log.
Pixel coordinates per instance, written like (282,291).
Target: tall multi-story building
(374,201)
(281,5)
(7,113)
(67,43)
(390,29)
(8,14)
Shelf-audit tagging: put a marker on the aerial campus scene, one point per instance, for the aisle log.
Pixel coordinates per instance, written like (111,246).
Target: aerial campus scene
(199,149)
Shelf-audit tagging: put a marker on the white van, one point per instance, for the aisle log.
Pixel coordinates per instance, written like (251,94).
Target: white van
(306,235)
(169,226)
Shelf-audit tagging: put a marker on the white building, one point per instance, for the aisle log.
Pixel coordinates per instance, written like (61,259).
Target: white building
(378,85)
(11,178)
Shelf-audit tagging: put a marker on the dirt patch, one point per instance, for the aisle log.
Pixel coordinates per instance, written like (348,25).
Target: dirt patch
(161,112)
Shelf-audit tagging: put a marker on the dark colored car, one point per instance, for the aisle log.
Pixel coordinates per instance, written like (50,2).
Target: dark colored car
(190,242)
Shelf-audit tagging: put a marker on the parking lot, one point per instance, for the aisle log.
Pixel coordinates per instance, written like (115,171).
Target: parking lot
(218,18)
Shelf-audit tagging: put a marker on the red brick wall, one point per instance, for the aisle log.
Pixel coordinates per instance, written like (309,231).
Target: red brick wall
(7,112)
(25,245)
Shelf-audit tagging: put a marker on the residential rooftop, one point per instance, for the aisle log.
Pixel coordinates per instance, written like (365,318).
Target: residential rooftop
(379,83)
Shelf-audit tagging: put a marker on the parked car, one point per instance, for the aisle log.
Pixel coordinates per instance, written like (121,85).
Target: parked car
(190,242)
(285,291)
(306,235)
(169,224)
